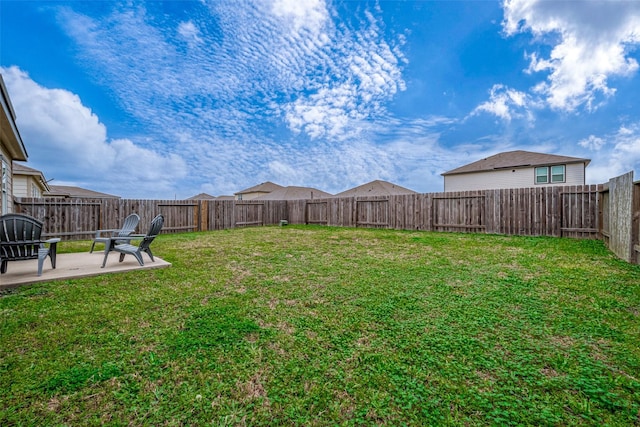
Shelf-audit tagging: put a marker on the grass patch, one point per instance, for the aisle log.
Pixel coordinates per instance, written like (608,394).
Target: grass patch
(323,326)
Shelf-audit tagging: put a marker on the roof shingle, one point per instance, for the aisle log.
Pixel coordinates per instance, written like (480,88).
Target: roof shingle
(70,191)
(375,188)
(294,193)
(515,159)
(265,187)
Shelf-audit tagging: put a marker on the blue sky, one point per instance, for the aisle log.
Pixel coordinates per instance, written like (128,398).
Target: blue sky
(171,99)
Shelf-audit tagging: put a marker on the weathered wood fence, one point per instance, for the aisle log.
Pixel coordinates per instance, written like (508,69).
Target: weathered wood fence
(559,211)
(608,211)
(620,228)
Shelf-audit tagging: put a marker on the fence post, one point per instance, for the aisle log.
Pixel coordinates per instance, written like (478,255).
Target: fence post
(635,231)
(203,212)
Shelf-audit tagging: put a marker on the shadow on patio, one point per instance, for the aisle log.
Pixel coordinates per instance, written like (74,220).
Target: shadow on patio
(72,266)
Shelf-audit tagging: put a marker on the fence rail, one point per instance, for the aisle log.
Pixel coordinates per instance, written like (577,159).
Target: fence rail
(610,212)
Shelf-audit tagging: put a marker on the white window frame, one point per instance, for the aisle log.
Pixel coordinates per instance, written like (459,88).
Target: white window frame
(551,174)
(536,175)
(4,184)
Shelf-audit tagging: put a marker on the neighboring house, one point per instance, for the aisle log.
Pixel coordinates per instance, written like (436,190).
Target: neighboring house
(202,196)
(294,193)
(257,191)
(375,188)
(28,182)
(517,169)
(64,191)
(11,148)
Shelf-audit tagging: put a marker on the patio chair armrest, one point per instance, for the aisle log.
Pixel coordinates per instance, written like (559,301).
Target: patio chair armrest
(129,238)
(109,231)
(53,244)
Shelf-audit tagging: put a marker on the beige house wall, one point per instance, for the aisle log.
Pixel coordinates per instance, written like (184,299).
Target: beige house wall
(26,186)
(509,178)
(20,186)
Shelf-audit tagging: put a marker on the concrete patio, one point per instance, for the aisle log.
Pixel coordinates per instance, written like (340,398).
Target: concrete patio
(72,266)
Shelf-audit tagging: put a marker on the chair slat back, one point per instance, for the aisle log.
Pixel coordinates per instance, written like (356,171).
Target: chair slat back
(19,236)
(154,230)
(129,226)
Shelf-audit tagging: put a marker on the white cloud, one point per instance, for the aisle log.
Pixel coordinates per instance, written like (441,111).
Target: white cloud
(591,42)
(51,120)
(282,64)
(65,138)
(325,113)
(365,73)
(506,103)
(307,14)
(622,153)
(261,70)
(319,78)
(189,32)
(592,143)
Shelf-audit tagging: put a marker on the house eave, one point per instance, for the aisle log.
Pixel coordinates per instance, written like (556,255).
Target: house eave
(10,133)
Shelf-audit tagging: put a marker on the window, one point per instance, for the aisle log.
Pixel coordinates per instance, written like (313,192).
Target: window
(557,173)
(542,175)
(5,186)
(550,174)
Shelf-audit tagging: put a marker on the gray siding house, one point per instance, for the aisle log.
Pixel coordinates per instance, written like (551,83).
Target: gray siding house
(517,169)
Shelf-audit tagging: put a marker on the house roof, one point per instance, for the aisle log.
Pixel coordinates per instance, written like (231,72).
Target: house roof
(294,193)
(375,188)
(202,196)
(515,159)
(70,191)
(265,187)
(25,170)
(20,169)
(9,133)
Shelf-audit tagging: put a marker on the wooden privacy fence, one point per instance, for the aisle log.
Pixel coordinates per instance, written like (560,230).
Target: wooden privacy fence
(79,218)
(609,211)
(545,211)
(620,228)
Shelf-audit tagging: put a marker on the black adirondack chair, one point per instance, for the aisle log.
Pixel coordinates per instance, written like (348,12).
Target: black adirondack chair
(144,246)
(20,240)
(105,236)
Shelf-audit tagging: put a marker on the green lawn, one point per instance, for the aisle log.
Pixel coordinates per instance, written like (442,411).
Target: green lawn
(331,326)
